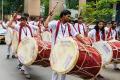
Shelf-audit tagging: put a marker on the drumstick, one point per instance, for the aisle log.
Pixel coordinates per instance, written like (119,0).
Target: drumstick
(51,11)
(91,22)
(50,15)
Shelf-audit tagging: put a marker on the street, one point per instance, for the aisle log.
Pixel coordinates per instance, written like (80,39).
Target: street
(8,70)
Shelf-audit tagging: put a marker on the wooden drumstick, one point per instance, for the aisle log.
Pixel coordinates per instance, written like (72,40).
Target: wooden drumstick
(51,11)
(50,15)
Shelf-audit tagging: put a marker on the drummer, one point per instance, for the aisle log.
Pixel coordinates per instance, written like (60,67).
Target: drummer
(14,22)
(61,29)
(112,31)
(25,30)
(80,27)
(113,35)
(98,34)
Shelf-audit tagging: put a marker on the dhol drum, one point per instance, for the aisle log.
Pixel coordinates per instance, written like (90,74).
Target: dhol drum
(34,51)
(44,50)
(116,50)
(14,45)
(87,40)
(8,36)
(71,56)
(46,36)
(105,51)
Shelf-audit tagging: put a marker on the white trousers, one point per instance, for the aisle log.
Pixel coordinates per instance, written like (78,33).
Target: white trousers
(8,50)
(55,76)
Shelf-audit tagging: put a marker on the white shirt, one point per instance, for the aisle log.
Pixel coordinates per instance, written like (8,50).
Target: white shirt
(82,27)
(42,26)
(63,32)
(92,34)
(25,30)
(113,33)
(32,23)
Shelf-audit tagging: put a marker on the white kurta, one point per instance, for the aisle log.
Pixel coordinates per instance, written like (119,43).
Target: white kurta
(82,28)
(63,30)
(25,31)
(113,33)
(92,34)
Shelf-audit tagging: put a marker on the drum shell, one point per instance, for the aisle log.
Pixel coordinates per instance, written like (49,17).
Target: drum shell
(44,49)
(89,62)
(78,59)
(116,50)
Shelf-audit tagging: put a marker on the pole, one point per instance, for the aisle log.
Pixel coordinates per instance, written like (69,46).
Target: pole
(2,10)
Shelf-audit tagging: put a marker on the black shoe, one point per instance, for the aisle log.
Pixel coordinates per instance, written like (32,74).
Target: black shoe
(8,56)
(116,69)
(13,56)
(19,66)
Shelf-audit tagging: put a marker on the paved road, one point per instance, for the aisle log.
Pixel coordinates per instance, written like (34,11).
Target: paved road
(8,70)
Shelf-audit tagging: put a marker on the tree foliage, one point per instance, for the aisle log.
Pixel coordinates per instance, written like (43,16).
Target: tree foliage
(12,5)
(99,10)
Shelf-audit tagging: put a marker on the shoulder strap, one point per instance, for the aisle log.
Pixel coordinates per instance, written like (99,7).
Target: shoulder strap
(20,30)
(109,33)
(116,36)
(79,28)
(57,29)
(85,32)
(97,36)
(30,30)
(69,29)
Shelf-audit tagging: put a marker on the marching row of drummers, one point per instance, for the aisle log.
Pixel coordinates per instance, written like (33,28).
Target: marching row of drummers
(22,27)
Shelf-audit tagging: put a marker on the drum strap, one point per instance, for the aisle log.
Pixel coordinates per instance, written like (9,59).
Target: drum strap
(98,36)
(85,33)
(57,29)
(39,25)
(21,27)
(110,30)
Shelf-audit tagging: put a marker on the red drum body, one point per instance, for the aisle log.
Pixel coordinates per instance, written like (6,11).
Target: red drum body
(34,51)
(78,59)
(87,40)
(44,49)
(116,50)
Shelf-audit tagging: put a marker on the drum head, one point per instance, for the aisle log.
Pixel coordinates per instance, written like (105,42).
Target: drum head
(46,36)
(64,55)
(27,51)
(105,50)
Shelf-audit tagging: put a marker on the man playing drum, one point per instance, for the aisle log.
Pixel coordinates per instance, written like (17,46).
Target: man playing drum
(61,29)
(25,30)
(81,27)
(113,35)
(9,35)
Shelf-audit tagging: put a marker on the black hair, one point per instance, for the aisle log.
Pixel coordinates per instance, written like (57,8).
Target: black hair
(97,27)
(23,18)
(32,18)
(65,12)
(26,14)
(80,17)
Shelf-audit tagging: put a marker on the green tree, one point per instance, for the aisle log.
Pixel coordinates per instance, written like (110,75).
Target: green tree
(45,3)
(12,5)
(99,10)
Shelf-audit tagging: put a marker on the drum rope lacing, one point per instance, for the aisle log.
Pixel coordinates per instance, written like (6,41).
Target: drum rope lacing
(115,49)
(81,67)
